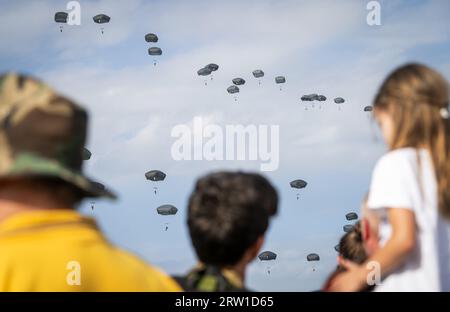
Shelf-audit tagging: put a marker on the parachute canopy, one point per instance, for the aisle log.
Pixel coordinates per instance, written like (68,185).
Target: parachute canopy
(351,216)
(280,79)
(348,228)
(313,257)
(258,73)
(154,51)
(212,67)
(167,210)
(61,17)
(151,37)
(299,184)
(310,97)
(101,18)
(238,81)
(336,248)
(155,175)
(86,155)
(368,108)
(267,256)
(339,100)
(232,89)
(313,97)
(205,71)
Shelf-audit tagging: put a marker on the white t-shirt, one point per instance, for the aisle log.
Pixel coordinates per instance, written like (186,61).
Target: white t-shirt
(398,181)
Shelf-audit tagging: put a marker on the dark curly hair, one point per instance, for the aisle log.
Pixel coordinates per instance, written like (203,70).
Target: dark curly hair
(228,211)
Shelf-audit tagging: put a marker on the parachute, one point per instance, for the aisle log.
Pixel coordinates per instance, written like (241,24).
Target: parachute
(348,228)
(279,80)
(212,67)
(313,97)
(61,17)
(205,71)
(312,257)
(351,216)
(101,19)
(337,248)
(258,73)
(298,184)
(238,81)
(167,210)
(339,100)
(368,108)
(321,98)
(267,256)
(154,51)
(86,154)
(232,89)
(309,97)
(151,37)
(155,176)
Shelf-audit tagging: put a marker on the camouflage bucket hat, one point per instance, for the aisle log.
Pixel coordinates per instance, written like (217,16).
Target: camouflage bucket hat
(42,134)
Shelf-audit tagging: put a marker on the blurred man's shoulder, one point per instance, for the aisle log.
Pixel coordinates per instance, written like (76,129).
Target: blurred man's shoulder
(147,277)
(65,251)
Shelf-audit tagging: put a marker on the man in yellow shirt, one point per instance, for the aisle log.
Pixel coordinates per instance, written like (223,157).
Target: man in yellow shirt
(45,245)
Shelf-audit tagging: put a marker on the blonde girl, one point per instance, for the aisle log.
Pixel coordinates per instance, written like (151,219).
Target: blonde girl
(410,188)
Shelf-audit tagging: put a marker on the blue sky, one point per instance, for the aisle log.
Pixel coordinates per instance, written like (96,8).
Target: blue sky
(320,46)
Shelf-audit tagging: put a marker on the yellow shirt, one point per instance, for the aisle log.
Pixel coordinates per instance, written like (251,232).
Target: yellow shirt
(60,250)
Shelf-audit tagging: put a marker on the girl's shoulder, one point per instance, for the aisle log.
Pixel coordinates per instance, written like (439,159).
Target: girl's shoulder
(401,155)
(402,160)
(395,178)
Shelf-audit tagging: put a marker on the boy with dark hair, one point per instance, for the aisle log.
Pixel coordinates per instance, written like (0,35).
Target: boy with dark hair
(228,215)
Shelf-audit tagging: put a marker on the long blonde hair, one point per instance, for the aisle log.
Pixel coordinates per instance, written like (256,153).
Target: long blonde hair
(417,99)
